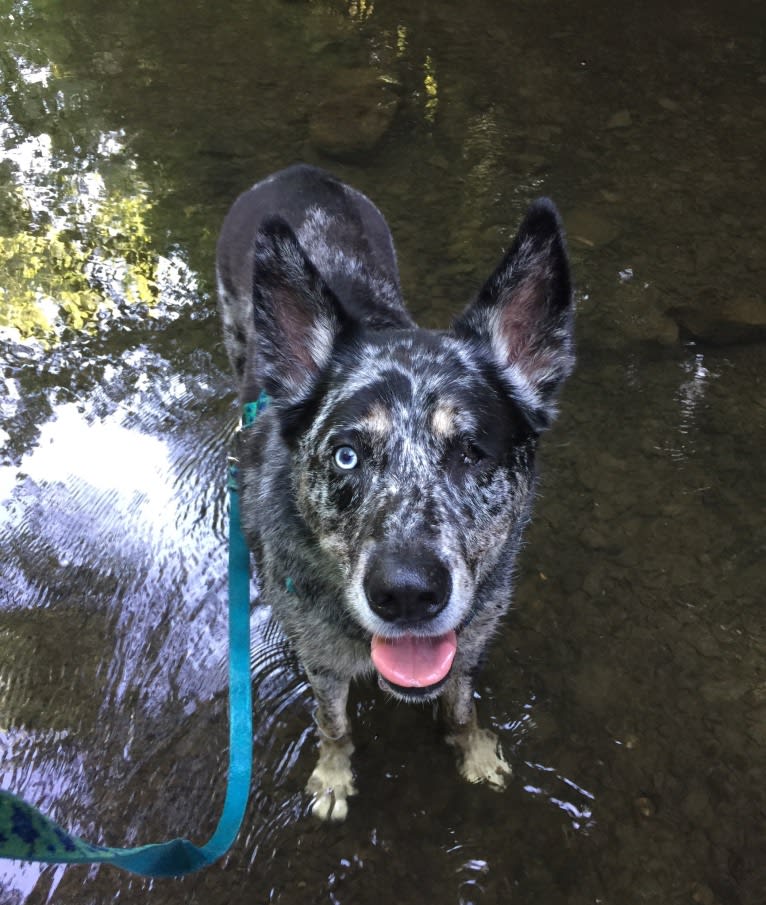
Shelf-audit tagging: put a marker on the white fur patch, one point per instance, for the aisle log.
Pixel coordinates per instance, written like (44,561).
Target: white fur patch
(321,341)
(444,421)
(332,781)
(481,758)
(377,421)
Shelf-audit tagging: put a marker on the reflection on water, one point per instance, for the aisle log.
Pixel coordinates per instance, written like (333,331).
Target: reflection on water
(627,686)
(692,393)
(75,249)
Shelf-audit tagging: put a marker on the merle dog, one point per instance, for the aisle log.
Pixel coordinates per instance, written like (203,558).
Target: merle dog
(386,487)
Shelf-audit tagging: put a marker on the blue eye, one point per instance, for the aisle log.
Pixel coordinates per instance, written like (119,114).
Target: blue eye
(346,458)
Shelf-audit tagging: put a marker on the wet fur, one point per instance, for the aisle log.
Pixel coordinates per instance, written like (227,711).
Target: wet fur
(446,425)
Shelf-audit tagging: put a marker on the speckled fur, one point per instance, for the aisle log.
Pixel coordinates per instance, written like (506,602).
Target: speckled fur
(446,425)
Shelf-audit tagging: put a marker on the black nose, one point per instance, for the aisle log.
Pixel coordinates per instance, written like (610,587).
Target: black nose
(407,586)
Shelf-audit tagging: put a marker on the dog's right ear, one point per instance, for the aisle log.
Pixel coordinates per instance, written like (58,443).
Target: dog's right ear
(297,317)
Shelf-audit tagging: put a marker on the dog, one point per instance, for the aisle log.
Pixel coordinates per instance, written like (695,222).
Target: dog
(385,488)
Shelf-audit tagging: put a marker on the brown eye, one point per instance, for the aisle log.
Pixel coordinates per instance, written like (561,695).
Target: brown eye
(471,454)
(463,458)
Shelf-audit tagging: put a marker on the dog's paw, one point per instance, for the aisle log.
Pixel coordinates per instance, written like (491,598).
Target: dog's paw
(330,785)
(328,805)
(482,758)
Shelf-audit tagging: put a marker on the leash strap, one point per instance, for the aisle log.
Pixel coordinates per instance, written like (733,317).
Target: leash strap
(29,835)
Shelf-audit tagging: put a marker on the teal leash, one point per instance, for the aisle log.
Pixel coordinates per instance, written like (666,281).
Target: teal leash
(29,835)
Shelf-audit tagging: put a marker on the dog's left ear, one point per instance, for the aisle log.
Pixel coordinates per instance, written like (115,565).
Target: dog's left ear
(524,314)
(297,317)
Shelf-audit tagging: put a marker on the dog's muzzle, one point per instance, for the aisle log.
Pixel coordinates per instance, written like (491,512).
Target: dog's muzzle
(408,590)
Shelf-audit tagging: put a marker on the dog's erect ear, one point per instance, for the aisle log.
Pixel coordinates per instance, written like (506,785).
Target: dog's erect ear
(524,314)
(296,316)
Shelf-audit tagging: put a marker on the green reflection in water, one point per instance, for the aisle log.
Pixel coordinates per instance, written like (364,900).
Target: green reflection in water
(75,243)
(56,277)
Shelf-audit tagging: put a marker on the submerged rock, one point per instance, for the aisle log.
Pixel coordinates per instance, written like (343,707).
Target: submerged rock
(357,111)
(718,321)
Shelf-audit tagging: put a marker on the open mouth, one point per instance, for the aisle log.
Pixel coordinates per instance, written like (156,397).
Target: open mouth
(412,664)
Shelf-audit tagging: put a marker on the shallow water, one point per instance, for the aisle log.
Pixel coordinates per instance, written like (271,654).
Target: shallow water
(628,685)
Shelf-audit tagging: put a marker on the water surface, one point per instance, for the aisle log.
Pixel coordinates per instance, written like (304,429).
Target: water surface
(628,684)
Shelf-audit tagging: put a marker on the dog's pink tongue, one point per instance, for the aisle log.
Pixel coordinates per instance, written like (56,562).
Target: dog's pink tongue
(414,662)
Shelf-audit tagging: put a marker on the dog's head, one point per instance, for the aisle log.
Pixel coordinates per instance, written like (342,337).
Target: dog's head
(413,451)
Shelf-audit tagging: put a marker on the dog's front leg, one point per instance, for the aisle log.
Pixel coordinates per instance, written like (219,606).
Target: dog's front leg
(480,757)
(331,782)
